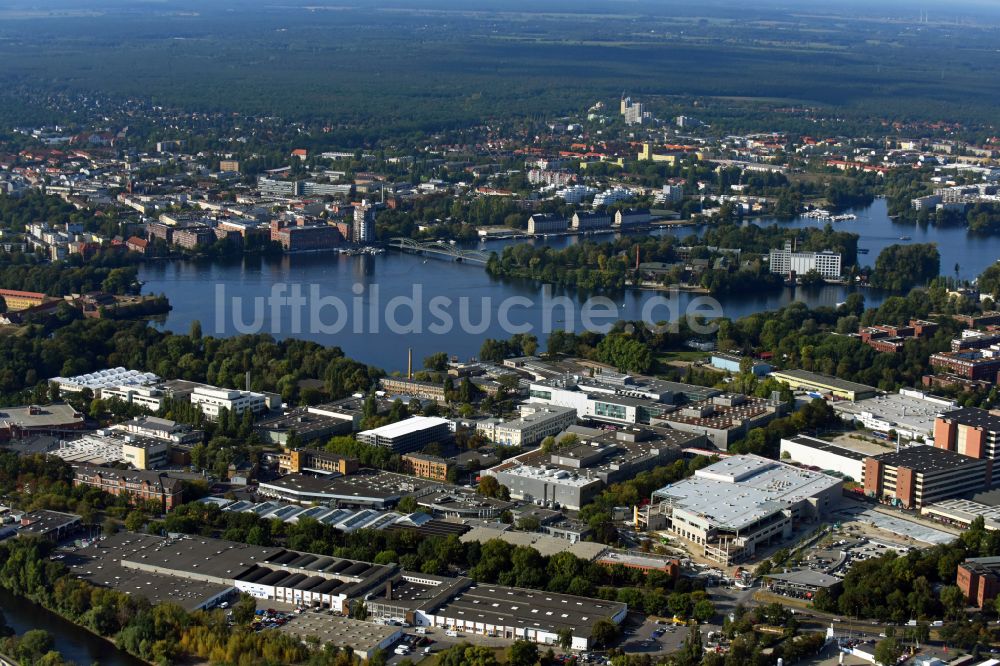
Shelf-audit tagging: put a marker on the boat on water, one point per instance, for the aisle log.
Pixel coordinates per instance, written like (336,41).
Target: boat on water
(905,238)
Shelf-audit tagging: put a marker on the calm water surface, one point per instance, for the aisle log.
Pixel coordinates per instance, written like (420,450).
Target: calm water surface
(223,295)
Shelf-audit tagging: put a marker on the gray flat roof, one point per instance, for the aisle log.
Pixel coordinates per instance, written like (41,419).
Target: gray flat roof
(806,577)
(977,418)
(926,459)
(826,380)
(822,445)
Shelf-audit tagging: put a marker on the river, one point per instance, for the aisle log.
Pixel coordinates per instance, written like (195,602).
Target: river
(74,643)
(375,307)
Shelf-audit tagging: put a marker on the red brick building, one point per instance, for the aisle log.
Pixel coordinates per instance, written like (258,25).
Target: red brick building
(979,579)
(139,485)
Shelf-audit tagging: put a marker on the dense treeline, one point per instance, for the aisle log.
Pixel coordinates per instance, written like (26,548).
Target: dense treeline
(111,271)
(94,344)
(900,267)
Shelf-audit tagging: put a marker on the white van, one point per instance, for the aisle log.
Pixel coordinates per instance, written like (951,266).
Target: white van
(420,630)
(452,633)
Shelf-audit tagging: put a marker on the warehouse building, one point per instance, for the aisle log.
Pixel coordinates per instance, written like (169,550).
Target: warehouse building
(920,475)
(825,384)
(733,506)
(55,419)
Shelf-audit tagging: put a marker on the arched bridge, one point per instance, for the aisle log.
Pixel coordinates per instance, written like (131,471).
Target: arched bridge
(440,248)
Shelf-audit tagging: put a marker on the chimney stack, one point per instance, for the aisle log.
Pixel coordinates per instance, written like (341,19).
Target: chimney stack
(409,363)
(388,590)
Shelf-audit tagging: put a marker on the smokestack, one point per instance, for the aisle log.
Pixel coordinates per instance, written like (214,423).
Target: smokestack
(388,590)
(248,380)
(409,363)
(636,257)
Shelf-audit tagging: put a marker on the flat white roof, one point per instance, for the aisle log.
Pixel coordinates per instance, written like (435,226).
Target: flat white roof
(407,426)
(741,490)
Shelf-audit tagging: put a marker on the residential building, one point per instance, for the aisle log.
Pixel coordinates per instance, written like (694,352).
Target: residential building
(786,261)
(409,434)
(305,237)
(546,223)
(583,221)
(731,507)
(632,217)
(920,475)
(363,229)
(194,236)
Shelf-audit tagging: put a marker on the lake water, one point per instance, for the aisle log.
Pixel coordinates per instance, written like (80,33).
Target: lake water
(375,307)
(75,644)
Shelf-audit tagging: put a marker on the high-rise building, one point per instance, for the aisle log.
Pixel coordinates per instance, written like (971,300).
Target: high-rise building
(787,260)
(363,230)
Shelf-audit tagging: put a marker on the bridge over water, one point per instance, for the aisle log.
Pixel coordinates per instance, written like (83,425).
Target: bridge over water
(439,248)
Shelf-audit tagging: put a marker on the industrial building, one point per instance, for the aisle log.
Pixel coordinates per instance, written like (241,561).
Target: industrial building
(50,525)
(571,477)
(102,379)
(547,223)
(293,461)
(197,572)
(54,419)
(731,363)
(910,413)
(110,447)
(735,505)
(365,489)
(308,424)
(979,580)
(828,457)
(801,583)
(211,401)
(970,431)
(535,423)
(919,475)
(724,418)
(824,384)
(412,388)
(426,466)
(409,434)
(963,512)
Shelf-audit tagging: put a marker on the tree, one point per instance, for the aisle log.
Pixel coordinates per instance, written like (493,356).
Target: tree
(407,504)
(704,610)
(565,638)
(437,361)
(888,651)
(244,609)
(110,527)
(523,653)
(604,633)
